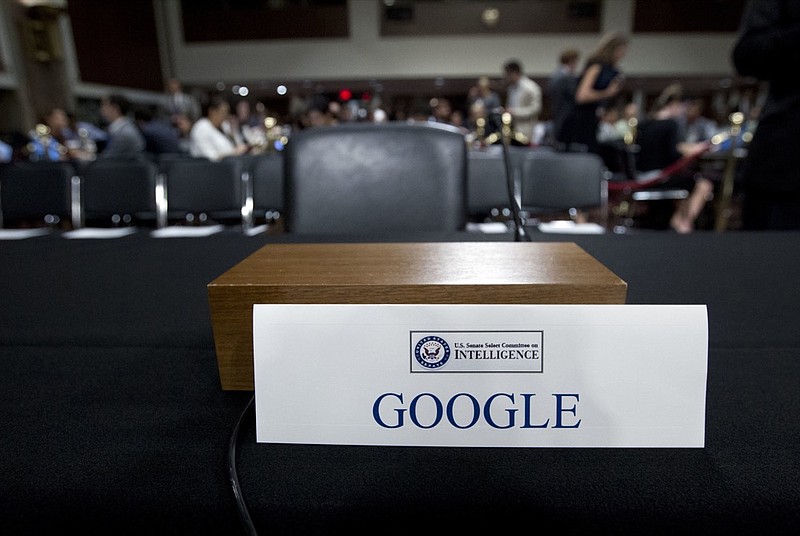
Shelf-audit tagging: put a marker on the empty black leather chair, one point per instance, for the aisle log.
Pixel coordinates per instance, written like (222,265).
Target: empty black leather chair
(198,190)
(488,184)
(267,181)
(119,191)
(552,181)
(36,194)
(366,178)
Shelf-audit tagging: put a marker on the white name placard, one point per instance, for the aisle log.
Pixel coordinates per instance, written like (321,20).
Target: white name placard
(481,375)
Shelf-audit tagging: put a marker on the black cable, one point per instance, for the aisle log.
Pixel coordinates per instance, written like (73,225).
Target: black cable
(520,234)
(244,515)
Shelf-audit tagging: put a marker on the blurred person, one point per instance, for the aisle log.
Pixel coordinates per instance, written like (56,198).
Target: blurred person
(377,113)
(321,111)
(183,127)
(79,137)
(53,138)
(697,127)
(627,121)
(178,102)
(768,48)
(441,111)
(477,120)
(314,117)
(600,81)
(457,120)
(210,135)
(6,152)
(160,135)
(611,144)
(751,121)
(43,146)
(321,115)
(523,99)
(483,93)
(124,137)
(669,103)
(660,146)
(483,109)
(561,92)
(606,130)
(58,122)
(248,126)
(94,136)
(417,111)
(260,114)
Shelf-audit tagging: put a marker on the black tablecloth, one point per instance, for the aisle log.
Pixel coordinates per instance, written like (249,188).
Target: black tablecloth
(114,421)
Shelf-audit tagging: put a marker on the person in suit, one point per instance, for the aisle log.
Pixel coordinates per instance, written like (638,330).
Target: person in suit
(160,136)
(124,137)
(177,102)
(561,92)
(768,47)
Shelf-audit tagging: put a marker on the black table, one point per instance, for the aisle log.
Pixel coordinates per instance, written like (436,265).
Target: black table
(115,422)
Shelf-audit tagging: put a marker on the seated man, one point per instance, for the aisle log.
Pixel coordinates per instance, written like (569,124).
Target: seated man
(125,138)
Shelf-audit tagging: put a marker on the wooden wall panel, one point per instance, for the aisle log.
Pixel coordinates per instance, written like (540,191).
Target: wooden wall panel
(471,17)
(116,43)
(707,16)
(245,20)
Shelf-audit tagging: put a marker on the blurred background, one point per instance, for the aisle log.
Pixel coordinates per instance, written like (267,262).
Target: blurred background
(278,55)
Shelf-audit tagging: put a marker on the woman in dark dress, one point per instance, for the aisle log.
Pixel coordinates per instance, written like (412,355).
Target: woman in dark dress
(600,81)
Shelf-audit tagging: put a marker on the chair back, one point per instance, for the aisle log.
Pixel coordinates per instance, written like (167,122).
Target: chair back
(562,181)
(266,178)
(37,193)
(487,182)
(367,178)
(118,190)
(657,144)
(202,188)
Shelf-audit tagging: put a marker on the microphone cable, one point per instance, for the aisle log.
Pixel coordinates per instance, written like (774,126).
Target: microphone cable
(241,506)
(520,234)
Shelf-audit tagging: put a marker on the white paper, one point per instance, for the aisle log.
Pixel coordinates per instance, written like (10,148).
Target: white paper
(100,232)
(258,229)
(494,227)
(184,231)
(570,227)
(585,376)
(19,234)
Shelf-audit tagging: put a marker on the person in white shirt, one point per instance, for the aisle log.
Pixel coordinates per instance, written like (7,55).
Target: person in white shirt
(523,99)
(208,138)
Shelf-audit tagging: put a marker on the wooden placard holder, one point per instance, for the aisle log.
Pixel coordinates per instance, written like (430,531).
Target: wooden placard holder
(386,273)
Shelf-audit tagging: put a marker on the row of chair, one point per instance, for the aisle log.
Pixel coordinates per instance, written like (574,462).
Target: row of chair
(347,179)
(544,182)
(407,177)
(140,191)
